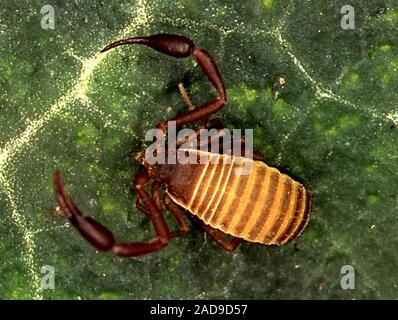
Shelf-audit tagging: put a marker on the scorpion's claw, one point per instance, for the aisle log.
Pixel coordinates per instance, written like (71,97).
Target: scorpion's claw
(172,45)
(94,232)
(181,47)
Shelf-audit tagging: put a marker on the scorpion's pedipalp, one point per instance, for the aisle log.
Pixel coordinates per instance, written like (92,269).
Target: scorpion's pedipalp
(101,237)
(181,47)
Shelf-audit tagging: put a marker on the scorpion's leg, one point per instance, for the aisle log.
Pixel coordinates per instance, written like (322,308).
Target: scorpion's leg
(220,239)
(155,196)
(176,213)
(170,206)
(181,47)
(103,239)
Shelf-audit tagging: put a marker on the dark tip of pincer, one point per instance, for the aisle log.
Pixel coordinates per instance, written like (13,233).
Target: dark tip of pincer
(122,42)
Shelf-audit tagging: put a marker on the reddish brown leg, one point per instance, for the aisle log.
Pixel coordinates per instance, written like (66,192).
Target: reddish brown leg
(220,239)
(155,196)
(170,206)
(140,206)
(181,47)
(176,213)
(103,239)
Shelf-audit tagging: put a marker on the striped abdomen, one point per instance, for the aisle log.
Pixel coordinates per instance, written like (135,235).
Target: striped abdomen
(263,206)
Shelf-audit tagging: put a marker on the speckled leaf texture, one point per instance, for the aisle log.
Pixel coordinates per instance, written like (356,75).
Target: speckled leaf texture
(333,126)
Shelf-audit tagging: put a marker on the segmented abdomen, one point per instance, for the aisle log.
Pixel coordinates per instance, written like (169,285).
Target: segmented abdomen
(262,206)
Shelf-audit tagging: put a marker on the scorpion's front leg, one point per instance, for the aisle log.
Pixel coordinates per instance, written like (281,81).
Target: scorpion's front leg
(181,47)
(103,239)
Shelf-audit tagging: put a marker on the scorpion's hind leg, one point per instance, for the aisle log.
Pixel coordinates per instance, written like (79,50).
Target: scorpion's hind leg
(101,237)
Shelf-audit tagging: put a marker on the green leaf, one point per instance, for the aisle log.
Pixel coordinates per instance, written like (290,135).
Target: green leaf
(333,125)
